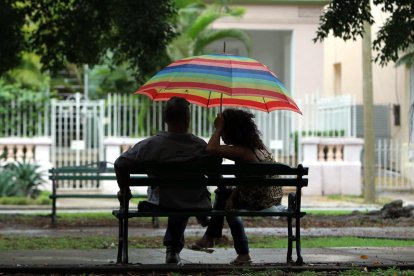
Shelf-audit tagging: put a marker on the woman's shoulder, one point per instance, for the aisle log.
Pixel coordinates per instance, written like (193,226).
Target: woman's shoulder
(265,155)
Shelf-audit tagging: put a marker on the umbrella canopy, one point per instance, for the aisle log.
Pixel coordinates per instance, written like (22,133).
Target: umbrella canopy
(220,79)
(215,99)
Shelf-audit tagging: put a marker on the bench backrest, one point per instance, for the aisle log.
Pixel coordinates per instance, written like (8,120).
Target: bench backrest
(172,174)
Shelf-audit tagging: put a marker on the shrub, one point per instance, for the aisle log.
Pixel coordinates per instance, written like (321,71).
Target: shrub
(7,183)
(22,179)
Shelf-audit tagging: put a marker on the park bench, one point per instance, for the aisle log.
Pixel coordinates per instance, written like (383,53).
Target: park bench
(287,176)
(93,173)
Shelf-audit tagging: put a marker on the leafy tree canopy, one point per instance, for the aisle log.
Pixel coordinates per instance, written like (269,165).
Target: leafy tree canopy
(11,35)
(84,31)
(346,20)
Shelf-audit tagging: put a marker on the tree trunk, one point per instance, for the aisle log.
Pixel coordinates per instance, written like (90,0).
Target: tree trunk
(369,135)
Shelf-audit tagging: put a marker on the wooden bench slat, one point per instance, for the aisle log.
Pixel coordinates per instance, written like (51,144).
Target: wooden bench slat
(132,214)
(93,196)
(223,169)
(145,181)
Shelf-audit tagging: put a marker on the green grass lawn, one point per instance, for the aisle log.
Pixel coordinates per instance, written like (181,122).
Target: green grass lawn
(42,199)
(102,242)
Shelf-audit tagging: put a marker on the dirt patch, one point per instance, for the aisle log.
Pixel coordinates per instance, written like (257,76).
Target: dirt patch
(392,214)
(352,220)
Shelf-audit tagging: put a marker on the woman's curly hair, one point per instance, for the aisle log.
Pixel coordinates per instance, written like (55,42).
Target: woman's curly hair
(240,129)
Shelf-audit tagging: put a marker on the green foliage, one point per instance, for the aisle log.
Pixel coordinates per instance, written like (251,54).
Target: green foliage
(83,31)
(104,79)
(396,34)
(24,179)
(346,20)
(7,187)
(12,41)
(392,271)
(194,26)
(28,74)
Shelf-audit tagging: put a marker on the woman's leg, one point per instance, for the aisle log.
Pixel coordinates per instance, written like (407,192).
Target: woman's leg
(240,241)
(215,227)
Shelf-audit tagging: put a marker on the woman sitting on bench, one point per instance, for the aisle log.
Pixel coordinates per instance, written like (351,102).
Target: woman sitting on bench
(242,144)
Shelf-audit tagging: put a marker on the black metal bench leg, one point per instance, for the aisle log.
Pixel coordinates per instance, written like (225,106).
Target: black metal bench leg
(125,241)
(299,260)
(120,240)
(53,216)
(155,222)
(125,231)
(290,241)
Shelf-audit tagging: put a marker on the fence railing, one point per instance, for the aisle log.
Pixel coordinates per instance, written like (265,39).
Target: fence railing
(136,116)
(133,116)
(26,117)
(332,116)
(394,165)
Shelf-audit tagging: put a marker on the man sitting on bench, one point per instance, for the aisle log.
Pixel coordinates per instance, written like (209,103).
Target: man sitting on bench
(173,145)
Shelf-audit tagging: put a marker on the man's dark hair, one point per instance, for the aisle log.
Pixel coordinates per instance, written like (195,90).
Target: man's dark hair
(177,111)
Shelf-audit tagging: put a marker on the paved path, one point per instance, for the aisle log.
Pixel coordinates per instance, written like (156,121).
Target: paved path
(338,257)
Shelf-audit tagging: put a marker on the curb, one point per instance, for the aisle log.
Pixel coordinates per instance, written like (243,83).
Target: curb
(187,268)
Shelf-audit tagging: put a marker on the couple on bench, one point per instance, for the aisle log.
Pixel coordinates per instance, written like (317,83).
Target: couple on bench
(242,144)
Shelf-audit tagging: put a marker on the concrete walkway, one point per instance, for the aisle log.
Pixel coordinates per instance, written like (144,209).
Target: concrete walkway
(153,259)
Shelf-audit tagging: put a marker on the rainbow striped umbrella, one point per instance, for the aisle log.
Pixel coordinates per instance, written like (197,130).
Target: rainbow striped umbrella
(220,79)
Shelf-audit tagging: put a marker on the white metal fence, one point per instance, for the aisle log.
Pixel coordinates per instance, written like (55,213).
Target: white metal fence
(282,131)
(328,116)
(135,116)
(394,166)
(26,117)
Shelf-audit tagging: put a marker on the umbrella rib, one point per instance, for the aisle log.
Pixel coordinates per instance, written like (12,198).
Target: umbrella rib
(264,101)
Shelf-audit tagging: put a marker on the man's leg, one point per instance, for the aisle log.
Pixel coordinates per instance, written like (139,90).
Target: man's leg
(174,238)
(215,227)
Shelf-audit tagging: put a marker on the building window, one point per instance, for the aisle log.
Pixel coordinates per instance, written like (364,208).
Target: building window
(337,79)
